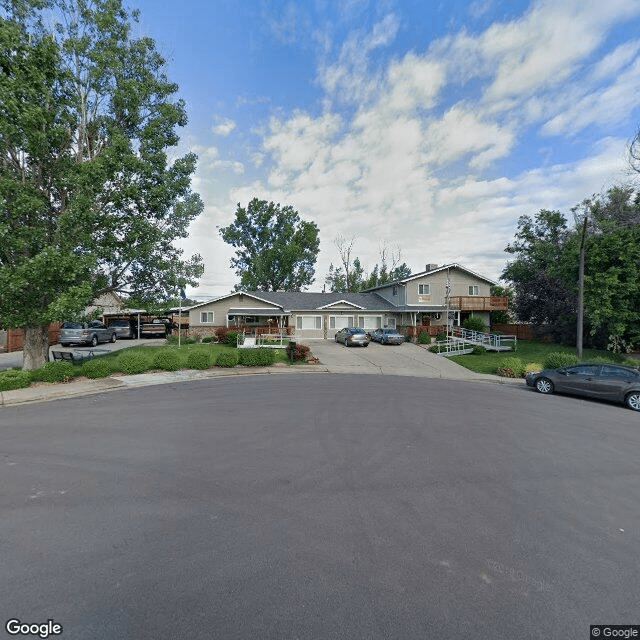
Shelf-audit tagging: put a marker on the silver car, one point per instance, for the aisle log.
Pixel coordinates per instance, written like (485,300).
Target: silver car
(351,336)
(83,333)
(123,329)
(387,336)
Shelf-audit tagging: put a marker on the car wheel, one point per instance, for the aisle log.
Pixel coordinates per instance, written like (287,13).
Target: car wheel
(114,337)
(544,385)
(94,341)
(633,400)
(64,344)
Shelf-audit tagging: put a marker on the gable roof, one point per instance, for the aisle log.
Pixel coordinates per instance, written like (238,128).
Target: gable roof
(311,301)
(444,267)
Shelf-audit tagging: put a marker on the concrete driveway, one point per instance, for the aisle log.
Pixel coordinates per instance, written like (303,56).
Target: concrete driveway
(401,360)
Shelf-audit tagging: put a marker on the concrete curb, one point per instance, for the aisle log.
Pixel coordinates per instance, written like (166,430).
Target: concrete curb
(80,388)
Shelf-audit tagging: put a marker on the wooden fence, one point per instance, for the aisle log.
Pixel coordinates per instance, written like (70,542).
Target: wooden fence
(15,337)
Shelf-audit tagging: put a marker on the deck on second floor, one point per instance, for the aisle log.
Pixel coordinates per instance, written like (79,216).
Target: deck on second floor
(479,303)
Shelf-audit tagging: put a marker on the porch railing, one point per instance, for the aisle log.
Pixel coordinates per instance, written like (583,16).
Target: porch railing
(479,303)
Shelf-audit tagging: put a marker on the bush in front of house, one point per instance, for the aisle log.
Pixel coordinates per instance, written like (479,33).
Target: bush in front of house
(227,359)
(257,357)
(424,338)
(199,359)
(506,372)
(54,372)
(441,337)
(133,362)
(98,368)
(207,339)
(474,323)
(221,334)
(14,379)
(533,366)
(478,350)
(512,364)
(557,359)
(167,360)
(234,338)
(297,351)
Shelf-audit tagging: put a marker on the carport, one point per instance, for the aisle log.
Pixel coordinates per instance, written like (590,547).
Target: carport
(134,316)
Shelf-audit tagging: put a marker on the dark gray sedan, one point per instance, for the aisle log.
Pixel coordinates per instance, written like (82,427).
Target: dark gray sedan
(351,336)
(598,381)
(387,336)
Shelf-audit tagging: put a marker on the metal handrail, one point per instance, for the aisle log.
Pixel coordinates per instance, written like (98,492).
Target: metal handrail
(485,339)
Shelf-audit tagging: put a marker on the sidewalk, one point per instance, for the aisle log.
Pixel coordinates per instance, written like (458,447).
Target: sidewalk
(44,392)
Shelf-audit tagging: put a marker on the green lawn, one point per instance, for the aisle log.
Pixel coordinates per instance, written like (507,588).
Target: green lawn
(529,352)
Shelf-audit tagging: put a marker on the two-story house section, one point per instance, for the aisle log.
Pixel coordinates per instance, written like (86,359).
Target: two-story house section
(425,298)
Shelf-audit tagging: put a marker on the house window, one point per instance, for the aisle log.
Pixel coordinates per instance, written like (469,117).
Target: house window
(370,322)
(424,289)
(395,290)
(206,317)
(473,290)
(309,322)
(391,323)
(341,322)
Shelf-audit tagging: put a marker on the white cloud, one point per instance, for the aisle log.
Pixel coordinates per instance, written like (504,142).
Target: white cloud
(224,127)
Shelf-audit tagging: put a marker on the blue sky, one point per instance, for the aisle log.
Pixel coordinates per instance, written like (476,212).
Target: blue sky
(428,126)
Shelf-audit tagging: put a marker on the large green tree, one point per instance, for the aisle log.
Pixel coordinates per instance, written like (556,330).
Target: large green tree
(544,271)
(275,248)
(89,199)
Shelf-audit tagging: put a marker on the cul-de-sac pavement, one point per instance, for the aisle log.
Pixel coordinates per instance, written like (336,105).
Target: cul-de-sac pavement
(321,505)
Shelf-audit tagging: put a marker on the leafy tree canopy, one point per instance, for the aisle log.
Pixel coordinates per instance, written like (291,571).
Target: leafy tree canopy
(89,199)
(544,272)
(275,248)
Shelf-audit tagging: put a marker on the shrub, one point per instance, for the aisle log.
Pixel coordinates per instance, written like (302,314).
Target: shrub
(297,351)
(516,365)
(441,337)
(14,379)
(97,368)
(133,362)
(474,323)
(166,359)
(54,372)
(533,366)
(206,339)
(436,348)
(188,341)
(172,339)
(227,359)
(557,359)
(257,357)
(221,334)
(506,372)
(478,350)
(198,360)
(234,338)
(424,338)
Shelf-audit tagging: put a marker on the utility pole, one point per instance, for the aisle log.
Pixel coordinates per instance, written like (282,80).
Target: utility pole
(581,290)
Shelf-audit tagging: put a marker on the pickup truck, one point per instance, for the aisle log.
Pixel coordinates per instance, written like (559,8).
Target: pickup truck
(155,329)
(82,333)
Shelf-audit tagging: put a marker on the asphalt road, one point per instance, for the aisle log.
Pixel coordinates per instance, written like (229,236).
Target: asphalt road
(325,506)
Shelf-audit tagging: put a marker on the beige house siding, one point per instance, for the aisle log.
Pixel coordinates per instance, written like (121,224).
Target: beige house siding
(460,283)
(108,303)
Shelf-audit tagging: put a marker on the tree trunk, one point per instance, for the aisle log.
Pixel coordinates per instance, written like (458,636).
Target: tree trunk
(36,347)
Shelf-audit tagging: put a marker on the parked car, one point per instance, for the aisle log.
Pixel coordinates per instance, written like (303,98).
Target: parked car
(157,328)
(123,328)
(599,381)
(351,336)
(387,336)
(83,333)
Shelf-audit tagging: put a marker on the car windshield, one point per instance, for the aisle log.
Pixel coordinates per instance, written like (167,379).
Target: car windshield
(357,330)
(121,323)
(72,325)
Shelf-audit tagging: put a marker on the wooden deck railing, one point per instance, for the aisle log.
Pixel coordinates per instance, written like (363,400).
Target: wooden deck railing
(479,303)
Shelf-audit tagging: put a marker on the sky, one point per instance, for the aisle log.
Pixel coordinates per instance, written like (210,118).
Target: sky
(424,127)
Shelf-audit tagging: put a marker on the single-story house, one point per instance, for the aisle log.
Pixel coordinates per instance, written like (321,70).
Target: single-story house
(420,300)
